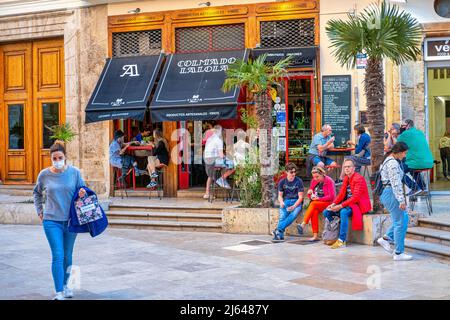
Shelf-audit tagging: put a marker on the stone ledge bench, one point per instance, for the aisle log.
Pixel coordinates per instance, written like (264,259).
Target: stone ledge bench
(263,221)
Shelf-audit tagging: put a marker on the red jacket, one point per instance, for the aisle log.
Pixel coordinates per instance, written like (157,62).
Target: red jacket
(359,202)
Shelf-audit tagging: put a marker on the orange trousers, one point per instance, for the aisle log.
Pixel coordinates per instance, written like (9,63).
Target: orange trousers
(312,213)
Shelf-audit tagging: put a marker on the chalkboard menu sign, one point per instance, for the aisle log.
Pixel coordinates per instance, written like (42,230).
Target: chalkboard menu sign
(336,106)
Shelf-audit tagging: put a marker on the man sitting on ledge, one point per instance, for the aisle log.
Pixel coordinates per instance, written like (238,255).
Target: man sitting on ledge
(352,200)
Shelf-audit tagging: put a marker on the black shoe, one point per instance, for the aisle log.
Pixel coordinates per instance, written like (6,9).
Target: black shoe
(276,237)
(300,229)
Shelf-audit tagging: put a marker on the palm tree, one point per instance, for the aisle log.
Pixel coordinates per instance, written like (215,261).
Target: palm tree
(259,78)
(382,32)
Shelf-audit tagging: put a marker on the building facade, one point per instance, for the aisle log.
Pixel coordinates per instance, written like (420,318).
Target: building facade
(52,58)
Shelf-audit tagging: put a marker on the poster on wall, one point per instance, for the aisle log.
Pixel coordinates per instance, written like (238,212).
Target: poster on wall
(336,106)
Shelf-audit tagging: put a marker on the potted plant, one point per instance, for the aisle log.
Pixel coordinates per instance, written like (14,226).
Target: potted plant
(62,132)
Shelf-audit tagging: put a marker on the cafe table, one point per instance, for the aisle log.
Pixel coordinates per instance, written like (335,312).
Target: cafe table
(340,153)
(140,151)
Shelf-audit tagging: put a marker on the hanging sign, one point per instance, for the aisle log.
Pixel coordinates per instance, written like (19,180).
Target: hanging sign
(281,117)
(361,60)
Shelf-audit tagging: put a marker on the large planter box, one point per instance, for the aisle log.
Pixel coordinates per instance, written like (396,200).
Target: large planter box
(263,221)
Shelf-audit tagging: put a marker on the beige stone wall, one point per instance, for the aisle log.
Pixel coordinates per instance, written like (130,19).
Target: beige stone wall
(33,26)
(86,48)
(412,93)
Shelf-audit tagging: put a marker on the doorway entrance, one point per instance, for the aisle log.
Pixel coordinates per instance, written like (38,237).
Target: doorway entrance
(31,100)
(439,122)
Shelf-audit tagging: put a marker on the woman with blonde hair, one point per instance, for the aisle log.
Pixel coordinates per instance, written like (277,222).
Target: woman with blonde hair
(321,193)
(160,156)
(444,149)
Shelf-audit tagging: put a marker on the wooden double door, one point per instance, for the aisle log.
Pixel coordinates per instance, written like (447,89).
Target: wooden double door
(31,100)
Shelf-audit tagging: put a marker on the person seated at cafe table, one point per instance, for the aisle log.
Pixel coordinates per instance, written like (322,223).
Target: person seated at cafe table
(362,150)
(160,156)
(321,193)
(136,134)
(118,157)
(352,201)
(320,144)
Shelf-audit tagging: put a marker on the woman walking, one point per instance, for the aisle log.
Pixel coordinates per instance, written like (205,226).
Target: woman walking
(59,183)
(321,193)
(394,201)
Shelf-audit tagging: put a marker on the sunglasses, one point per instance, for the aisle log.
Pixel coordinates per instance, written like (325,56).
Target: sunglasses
(292,171)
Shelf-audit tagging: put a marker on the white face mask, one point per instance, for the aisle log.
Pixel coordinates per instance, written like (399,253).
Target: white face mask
(58,164)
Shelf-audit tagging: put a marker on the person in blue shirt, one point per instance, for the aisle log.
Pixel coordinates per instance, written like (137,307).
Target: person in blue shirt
(362,150)
(320,144)
(290,196)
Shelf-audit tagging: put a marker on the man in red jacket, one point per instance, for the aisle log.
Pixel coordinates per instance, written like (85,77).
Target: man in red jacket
(352,200)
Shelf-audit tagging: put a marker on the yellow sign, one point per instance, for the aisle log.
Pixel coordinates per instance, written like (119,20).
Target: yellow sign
(205,13)
(287,6)
(136,19)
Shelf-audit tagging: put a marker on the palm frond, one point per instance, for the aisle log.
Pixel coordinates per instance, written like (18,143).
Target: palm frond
(381,31)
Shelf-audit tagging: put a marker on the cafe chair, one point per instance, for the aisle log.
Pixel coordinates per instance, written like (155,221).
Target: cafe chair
(118,182)
(423,174)
(159,182)
(215,188)
(235,190)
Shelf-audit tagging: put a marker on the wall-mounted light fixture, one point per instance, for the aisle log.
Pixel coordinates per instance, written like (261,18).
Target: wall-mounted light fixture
(204,4)
(137,10)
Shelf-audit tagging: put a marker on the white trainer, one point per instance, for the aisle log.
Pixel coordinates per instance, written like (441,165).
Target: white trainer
(385,245)
(59,296)
(220,182)
(402,257)
(68,293)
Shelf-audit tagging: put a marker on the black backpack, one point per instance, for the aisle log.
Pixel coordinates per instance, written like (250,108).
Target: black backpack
(377,185)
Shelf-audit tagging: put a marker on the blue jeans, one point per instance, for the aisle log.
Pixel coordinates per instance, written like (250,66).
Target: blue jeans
(286,218)
(416,183)
(61,243)
(397,231)
(344,214)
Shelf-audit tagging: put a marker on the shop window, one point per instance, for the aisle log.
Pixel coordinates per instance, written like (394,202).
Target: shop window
(442,73)
(138,43)
(448,73)
(210,38)
(15,126)
(50,117)
(287,33)
(435,74)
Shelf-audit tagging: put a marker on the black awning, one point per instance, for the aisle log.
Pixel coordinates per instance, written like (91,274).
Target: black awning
(124,88)
(302,56)
(190,87)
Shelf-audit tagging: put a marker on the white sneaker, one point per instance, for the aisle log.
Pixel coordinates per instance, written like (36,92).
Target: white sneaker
(68,293)
(59,296)
(385,245)
(226,184)
(402,257)
(220,182)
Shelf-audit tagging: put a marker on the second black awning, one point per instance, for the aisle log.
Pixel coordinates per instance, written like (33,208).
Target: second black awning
(190,87)
(124,88)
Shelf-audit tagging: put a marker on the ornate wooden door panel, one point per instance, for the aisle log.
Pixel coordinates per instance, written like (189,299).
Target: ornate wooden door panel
(31,98)
(16,110)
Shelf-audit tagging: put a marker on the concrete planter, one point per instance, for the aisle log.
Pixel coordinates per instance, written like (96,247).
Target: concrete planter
(263,221)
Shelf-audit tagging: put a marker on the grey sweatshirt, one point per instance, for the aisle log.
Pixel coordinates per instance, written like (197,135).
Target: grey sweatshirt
(59,190)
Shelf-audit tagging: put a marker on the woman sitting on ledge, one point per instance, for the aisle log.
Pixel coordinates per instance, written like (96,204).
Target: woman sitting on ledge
(321,193)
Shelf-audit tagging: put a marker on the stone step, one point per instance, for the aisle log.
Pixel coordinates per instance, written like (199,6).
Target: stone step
(433,249)
(16,189)
(435,223)
(163,208)
(429,235)
(198,193)
(164,216)
(166,225)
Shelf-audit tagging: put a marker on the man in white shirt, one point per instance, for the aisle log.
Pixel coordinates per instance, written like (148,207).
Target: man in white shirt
(214,151)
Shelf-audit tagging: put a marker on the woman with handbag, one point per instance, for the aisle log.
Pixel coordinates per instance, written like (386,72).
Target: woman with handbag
(321,193)
(59,183)
(393,199)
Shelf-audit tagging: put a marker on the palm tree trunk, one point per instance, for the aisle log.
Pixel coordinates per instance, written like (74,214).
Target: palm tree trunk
(264,116)
(374,89)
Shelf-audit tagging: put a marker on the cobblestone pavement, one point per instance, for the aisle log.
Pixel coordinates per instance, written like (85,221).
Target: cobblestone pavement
(130,264)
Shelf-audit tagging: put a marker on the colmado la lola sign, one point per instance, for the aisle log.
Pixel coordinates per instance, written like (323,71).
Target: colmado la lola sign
(437,49)
(205,65)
